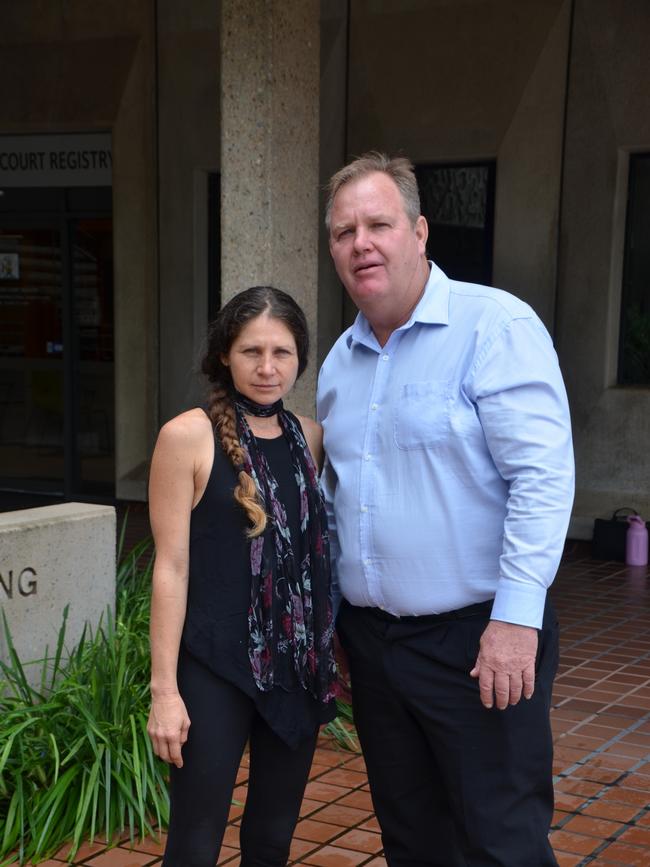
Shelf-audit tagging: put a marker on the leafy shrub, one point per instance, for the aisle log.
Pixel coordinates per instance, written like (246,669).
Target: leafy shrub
(75,758)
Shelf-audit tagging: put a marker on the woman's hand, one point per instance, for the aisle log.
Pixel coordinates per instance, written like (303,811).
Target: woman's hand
(168,727)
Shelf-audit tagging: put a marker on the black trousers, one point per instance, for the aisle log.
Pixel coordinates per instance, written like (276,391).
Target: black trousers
(453,784)
(223,719)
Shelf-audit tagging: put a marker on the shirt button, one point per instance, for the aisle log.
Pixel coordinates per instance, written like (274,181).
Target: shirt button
(367,561)
(373,406)
(364,508)
(366,457)
(385,357)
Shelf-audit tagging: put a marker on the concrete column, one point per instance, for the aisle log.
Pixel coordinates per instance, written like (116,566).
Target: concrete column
(269,147)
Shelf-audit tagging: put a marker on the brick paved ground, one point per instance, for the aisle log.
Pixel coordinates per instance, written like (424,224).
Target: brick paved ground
(601,721)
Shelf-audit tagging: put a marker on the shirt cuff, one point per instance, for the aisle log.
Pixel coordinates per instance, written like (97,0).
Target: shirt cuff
(521,604)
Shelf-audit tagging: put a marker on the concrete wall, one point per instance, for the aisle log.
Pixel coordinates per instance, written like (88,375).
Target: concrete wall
(70,65)
(475,80)
(608,118)
(50,558)
(189,148)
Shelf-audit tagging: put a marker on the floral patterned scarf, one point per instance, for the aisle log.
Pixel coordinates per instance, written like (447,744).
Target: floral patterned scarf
(290,616)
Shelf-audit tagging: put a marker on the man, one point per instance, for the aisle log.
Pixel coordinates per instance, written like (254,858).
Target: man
(450,483)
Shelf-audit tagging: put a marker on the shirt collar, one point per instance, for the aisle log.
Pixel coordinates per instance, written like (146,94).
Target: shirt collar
(431,309)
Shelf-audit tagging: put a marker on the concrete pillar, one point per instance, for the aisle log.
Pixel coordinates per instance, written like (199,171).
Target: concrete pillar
(335,310)
(269,148)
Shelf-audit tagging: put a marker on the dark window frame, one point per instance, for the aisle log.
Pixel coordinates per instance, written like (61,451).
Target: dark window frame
(631,332)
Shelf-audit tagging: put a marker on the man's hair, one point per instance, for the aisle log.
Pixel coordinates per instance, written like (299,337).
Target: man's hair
(400,169)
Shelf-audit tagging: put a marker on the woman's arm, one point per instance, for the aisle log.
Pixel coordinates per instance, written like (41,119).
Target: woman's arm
(171,495)
(314,436)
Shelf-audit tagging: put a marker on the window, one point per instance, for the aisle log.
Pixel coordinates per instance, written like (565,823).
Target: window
(634,343)
(458,202)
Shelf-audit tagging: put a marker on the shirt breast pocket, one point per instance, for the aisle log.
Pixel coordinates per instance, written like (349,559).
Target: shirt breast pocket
(423,414)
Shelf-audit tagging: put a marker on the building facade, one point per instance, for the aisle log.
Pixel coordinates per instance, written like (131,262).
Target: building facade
(157,157)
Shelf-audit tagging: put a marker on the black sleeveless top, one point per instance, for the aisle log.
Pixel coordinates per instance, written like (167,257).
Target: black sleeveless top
(219,595)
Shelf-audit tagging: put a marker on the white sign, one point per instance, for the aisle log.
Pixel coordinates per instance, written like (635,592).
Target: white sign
(80,160)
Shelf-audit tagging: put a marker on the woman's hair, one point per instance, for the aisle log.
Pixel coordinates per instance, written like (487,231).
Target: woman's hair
(223,332)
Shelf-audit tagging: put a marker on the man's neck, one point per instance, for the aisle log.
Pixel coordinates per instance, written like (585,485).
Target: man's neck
(383,329)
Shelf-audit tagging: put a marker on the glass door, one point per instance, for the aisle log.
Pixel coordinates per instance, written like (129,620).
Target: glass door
(57,417)
(92,345)
(31,359)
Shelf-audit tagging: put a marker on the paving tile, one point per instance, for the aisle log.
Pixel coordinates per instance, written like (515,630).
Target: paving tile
(597,775)
(610,810)
(320,791)
(51,862)
(626,796)
(593,827)
(637,781)
(370,824)
(376,862)
(300,848)
(560,818)
(360,841)
(340,815)
(86,850)
(231,836)
(359,799)
(227,854)
(309,805)
(329,757)
(235,812)
(345,777)
(318,832)
(565,859)
(150,844)
(577,844)
(578,787)
(119,858)
(636,837)
(356,764)
(332,856)
(631,856)
(570,803)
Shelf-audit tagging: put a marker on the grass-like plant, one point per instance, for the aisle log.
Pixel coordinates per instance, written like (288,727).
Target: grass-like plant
(75,758)
(76,762)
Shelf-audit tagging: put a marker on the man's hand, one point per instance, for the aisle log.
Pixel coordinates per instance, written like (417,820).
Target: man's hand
(168,727)
(505,666)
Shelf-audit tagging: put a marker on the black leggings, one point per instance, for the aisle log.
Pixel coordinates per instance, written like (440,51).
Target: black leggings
(222,719)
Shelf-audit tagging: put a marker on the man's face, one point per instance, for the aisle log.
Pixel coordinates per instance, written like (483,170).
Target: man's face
(377,252)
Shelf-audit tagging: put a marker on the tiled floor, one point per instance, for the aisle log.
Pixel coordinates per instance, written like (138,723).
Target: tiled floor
(601,720)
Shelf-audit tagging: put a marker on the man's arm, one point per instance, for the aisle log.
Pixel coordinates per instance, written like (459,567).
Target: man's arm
(521,402)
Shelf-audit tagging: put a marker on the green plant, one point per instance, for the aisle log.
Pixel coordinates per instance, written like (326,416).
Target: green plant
(342,727)
(75,758)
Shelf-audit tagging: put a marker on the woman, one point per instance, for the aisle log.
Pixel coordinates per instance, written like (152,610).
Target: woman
(241,620)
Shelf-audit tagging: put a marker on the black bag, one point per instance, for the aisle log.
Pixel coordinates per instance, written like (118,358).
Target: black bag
(609,536)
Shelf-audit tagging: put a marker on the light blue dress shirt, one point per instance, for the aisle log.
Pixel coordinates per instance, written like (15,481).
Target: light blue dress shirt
(449,472)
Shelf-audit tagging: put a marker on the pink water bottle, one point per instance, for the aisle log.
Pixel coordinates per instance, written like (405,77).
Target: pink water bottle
(636,542)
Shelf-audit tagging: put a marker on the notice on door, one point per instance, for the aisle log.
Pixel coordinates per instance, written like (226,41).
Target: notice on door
(79,160)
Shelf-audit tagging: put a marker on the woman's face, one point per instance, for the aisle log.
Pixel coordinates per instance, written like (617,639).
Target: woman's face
(263,359)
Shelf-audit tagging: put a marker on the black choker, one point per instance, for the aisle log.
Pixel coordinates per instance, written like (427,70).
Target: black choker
(260,410)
